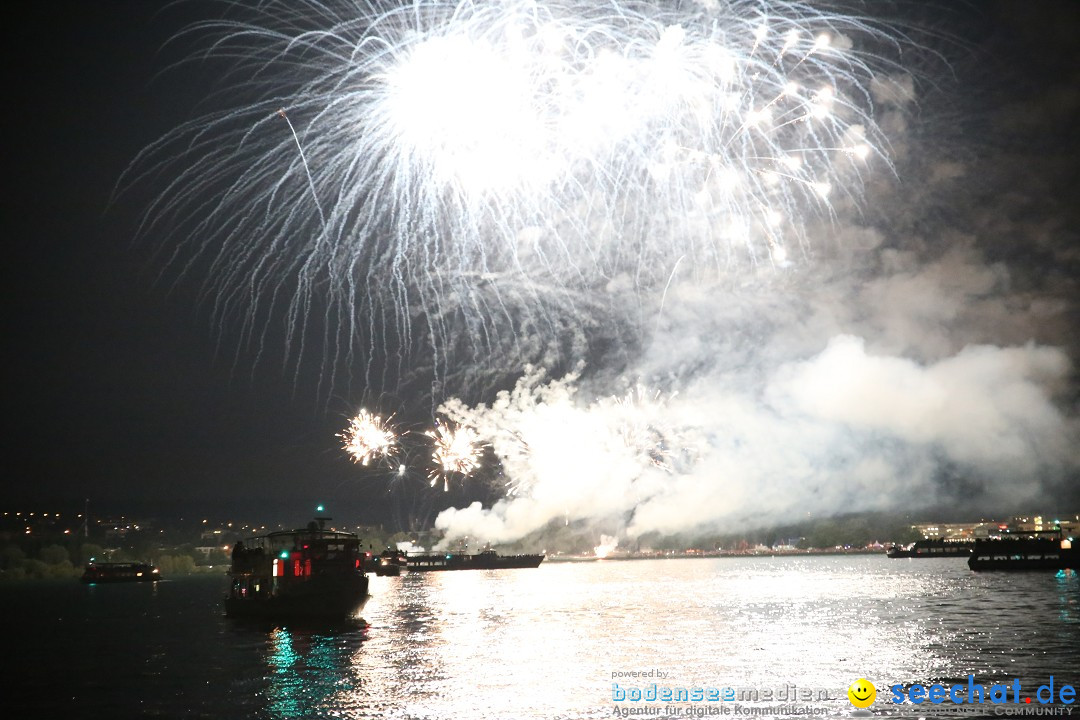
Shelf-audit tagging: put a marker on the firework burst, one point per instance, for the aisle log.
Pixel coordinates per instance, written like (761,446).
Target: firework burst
(475,173)
(457,452)
(368,437)
(640,426)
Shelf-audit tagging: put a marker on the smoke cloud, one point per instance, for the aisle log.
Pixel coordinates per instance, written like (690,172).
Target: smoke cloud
(921,355)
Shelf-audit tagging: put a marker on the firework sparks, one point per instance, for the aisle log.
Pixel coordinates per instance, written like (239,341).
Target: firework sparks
(457,452)
(499,162)
(368,438)
(546,439)
(640,427)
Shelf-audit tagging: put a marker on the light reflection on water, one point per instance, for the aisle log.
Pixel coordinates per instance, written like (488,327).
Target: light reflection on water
(544,643)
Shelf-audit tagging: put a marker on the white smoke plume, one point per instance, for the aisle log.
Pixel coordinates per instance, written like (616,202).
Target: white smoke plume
(922,358)
(843,430)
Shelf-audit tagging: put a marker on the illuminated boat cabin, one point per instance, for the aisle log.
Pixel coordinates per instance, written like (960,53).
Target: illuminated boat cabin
(264,566)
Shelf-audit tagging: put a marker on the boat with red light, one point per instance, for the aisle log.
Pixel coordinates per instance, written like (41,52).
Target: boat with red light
(313,573)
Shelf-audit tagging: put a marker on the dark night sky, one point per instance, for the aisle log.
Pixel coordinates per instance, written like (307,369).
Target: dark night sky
(119,389)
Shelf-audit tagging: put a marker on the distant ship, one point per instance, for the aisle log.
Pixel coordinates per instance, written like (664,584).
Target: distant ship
(932,549)
(389,563)
(312,573)
(1025,553)
(110,572)
(485,560)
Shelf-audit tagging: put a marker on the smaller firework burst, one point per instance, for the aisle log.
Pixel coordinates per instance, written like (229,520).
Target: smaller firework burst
(639,426)
(369,437)
(457,452)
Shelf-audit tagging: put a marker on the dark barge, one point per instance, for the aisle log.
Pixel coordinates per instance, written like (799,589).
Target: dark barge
(307,574)
(486,560)
(932,549)
(1026,553)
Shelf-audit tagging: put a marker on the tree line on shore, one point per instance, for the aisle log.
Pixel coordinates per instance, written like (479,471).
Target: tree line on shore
(56,561)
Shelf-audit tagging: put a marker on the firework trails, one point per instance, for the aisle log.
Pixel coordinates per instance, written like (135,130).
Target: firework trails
(475,174)
(462,196)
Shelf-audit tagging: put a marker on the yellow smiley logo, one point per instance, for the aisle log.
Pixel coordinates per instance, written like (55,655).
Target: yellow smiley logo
(861,693)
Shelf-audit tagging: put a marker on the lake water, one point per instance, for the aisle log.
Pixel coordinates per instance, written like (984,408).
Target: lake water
(545,643)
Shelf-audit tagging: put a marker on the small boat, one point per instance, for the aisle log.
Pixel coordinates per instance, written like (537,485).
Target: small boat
(485,560)
(389,563)
(307,574)
(1024,553)
(932,549)
(899,551)
(386,568)
(109,572)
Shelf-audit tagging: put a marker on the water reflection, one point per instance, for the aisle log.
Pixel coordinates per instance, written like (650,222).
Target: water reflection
(307,669)
(545,642)
(1068,587)
(339,671)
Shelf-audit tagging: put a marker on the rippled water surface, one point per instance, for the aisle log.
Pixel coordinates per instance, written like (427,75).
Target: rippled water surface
(542,643)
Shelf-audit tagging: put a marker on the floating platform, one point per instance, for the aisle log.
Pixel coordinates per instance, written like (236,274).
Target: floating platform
(486,560)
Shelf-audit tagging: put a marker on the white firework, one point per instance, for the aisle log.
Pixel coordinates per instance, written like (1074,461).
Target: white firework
(473,173)
(640,425)
(456,452)
(368,438)
(546,438)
